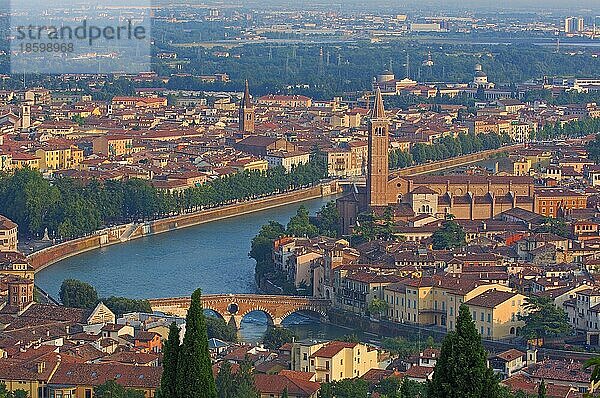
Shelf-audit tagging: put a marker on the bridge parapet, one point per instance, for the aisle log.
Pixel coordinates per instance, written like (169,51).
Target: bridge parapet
(233,307)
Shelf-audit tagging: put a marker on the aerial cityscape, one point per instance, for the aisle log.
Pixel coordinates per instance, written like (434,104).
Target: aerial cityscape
(276,199)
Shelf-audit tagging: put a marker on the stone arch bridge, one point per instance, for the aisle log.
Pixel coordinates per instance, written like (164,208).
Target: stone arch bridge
(233,307)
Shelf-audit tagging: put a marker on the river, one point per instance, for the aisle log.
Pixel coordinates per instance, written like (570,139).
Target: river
(211,256)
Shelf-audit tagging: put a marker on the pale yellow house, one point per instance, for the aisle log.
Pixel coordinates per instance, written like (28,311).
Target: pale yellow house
(25,160)
(59,157)
(496,313)
(250,164)
(5,161)
(335,360)
(522,167)
(8,235)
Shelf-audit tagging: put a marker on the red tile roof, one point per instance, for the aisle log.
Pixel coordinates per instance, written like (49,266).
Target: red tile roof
(275,384)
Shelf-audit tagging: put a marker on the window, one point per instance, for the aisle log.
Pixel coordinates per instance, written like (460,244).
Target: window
(489,318)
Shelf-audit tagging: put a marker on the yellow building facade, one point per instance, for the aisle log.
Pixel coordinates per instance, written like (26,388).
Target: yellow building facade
(496,313)
(335,360)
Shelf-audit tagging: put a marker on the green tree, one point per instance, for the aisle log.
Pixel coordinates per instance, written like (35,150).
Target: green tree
(449,236)
(346,388)
(4,393)
(168,381)
(461,370)
(123,305)
(77,294)
(225,382)
(557,226)
(262,247)
(275,337)
(542,390)
(329,220)
(111,389)
(399,346)
(378,307)
(218,329)
(593,148)
(300,224)
(194,371)
(544,319)
(284,393)
(244,381)
(389,387)
(20,393)
(413,389)
(27,199)
(371,226)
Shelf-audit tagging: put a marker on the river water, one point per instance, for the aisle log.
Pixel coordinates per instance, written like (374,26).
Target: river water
(211,256)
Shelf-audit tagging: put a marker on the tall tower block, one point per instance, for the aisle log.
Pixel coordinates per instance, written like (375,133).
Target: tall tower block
(378,168)
(246,113)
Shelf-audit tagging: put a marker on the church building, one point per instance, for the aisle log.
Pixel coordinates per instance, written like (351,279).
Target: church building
(470,197)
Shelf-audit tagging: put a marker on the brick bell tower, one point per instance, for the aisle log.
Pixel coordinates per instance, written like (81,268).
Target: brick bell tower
(246,113)
(378,168)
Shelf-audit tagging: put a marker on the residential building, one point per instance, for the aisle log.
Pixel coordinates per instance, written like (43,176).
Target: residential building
(8,235)
(113,145)
(496,313)
(335,360)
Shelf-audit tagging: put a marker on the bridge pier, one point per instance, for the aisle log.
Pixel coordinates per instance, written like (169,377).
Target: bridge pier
(236,321)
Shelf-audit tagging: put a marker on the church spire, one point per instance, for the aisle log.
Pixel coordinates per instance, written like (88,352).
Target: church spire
(378,109)
(246,103)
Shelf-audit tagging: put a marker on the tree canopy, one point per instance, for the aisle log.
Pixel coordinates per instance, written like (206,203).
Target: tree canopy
(194,370)
(544,319)
(112,389)
(461,370)
(168,381)
(449,236)
(275,337)
(77,294)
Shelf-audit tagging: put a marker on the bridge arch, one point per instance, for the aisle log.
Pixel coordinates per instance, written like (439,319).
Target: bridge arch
(321,313)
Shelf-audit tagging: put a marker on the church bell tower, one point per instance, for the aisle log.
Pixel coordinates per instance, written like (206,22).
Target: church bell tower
(378,168)
(246,113)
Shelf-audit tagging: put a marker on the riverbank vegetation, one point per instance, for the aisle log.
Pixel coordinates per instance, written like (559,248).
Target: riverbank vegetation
(575,128)
(217,328)
(78,294)
(70,208)
(275,337)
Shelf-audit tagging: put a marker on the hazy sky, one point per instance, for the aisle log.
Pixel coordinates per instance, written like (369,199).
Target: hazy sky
(545,5)
(542,5)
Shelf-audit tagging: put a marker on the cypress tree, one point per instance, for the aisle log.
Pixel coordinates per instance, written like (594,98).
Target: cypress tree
(461,370)
(226,385)
(168,382)
(194,370)
(542,390)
